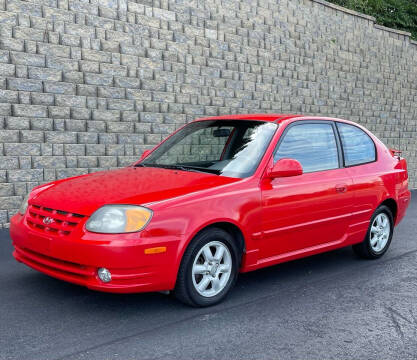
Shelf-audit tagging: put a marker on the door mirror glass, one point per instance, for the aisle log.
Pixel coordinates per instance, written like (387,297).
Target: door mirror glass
(285,168)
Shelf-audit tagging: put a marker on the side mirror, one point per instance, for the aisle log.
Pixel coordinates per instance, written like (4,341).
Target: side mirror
(145,154)
(286,168)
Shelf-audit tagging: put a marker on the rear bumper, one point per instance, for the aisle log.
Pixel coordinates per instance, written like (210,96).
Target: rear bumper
(77,260)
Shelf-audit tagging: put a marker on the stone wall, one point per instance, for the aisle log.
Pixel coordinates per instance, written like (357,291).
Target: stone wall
(88,85)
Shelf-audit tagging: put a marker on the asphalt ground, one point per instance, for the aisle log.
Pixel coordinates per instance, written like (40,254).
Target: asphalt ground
(329,306)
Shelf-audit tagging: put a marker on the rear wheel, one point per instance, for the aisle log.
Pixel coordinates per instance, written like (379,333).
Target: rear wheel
(379,235)
(208,269)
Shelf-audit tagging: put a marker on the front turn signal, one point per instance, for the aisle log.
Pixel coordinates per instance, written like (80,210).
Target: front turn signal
(156,250)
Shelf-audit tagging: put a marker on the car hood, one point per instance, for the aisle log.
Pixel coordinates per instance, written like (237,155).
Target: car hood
(131,185)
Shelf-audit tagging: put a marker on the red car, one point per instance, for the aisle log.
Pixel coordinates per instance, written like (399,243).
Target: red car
(220,196)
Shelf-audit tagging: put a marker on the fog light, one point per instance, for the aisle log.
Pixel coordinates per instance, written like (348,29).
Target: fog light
(104,275)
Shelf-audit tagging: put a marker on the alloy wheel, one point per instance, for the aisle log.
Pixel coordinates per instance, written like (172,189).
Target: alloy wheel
(380,232)
(212,268)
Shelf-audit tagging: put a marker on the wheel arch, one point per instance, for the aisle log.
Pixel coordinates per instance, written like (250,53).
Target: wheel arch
(229,226)
(233,230)
(226,225)
(392,205)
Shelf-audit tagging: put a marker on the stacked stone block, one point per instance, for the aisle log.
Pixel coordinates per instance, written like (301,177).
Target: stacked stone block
(87,85)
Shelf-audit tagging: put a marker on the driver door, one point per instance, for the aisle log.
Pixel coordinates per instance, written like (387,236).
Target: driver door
(312,210)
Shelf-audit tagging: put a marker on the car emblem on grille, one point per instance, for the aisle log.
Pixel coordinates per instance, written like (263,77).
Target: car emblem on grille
(48,220)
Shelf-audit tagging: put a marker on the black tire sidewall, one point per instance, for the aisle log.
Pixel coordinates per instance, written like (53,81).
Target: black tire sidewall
(387,211)
(201,240)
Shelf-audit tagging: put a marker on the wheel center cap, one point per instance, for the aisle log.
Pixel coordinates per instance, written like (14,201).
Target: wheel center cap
(213,269)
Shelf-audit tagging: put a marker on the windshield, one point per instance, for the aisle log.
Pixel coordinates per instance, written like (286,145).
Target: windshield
(223,147)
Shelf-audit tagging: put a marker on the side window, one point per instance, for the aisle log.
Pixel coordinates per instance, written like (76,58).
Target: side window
(358,147)
(313,145)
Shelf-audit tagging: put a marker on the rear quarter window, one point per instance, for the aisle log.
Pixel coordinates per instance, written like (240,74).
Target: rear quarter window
(358,147)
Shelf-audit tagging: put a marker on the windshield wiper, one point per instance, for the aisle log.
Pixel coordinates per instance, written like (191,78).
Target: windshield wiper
(201,169)
(174,167)
(182,167)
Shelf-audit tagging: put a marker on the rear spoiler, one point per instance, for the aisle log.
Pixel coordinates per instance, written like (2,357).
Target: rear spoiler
(395,153)
(402,163)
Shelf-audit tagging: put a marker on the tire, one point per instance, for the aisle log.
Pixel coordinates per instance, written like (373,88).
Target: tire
(203,282)
(374,245)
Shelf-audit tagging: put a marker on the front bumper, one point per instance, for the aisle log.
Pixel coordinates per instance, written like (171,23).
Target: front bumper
(76,258)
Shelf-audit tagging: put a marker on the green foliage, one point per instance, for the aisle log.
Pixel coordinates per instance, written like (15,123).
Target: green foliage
(397,14)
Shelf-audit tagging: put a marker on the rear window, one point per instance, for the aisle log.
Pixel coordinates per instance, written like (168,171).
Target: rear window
(358,147)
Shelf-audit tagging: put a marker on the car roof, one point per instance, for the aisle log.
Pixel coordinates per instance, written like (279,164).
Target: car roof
(263,117)
(277,118)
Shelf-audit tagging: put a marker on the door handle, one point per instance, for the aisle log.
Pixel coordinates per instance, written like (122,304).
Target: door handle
(341,188)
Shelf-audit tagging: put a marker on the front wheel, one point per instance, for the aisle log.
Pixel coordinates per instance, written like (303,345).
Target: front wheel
(208,269)
(379,235)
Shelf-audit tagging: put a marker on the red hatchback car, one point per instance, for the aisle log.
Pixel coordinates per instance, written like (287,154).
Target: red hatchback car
(220,196)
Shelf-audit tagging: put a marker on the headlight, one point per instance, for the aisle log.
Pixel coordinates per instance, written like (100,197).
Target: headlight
(24,205)
(114,219)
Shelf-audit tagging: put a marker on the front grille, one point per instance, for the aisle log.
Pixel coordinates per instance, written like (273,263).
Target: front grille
(61,222)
